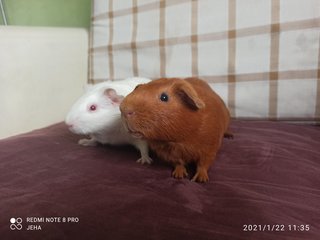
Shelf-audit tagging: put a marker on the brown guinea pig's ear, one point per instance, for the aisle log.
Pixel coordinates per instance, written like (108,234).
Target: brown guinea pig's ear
(188,95)
(137,86)
(112,94)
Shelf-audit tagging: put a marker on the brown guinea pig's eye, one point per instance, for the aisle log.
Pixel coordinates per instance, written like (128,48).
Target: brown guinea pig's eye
(164,97)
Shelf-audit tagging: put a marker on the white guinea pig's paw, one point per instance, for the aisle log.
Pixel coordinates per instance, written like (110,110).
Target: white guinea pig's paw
(87,142)
(145,160)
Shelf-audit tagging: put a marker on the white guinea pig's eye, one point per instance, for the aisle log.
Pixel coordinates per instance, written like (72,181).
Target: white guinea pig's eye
(93,107)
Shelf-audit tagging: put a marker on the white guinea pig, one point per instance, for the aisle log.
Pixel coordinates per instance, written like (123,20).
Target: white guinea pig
(96,113)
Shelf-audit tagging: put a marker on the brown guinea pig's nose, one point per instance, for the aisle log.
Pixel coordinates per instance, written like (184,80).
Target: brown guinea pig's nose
(127,112)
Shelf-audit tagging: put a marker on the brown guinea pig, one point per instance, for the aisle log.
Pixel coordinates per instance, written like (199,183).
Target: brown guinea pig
(183,120)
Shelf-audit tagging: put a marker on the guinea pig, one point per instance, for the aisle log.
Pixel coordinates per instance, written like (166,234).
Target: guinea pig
(183,120)
(96,113)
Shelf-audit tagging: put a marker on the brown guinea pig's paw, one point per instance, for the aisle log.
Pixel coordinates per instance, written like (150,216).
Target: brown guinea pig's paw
(179,172)
(228,135)
(201,175)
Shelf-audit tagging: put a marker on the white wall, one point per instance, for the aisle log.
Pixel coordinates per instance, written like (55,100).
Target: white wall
(42,72)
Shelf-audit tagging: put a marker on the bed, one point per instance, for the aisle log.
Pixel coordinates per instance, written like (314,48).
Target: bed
(264,183)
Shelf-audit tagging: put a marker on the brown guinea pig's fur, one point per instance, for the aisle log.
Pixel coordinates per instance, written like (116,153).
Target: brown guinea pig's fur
(183,120)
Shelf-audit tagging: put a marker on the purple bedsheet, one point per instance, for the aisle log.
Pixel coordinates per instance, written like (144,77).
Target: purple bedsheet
(264,184)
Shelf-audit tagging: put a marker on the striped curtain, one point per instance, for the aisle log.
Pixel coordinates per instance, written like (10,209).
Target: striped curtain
(261,57)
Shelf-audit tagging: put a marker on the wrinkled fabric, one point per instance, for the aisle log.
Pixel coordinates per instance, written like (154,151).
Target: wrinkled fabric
(267,175)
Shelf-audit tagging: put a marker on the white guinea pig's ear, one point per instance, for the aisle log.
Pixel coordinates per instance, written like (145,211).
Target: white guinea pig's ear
(113,96)
(188,95)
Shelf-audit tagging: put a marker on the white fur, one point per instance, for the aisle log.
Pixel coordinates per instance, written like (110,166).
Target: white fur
(104,125)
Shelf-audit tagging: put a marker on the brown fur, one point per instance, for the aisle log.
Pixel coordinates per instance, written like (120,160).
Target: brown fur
(189,127)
